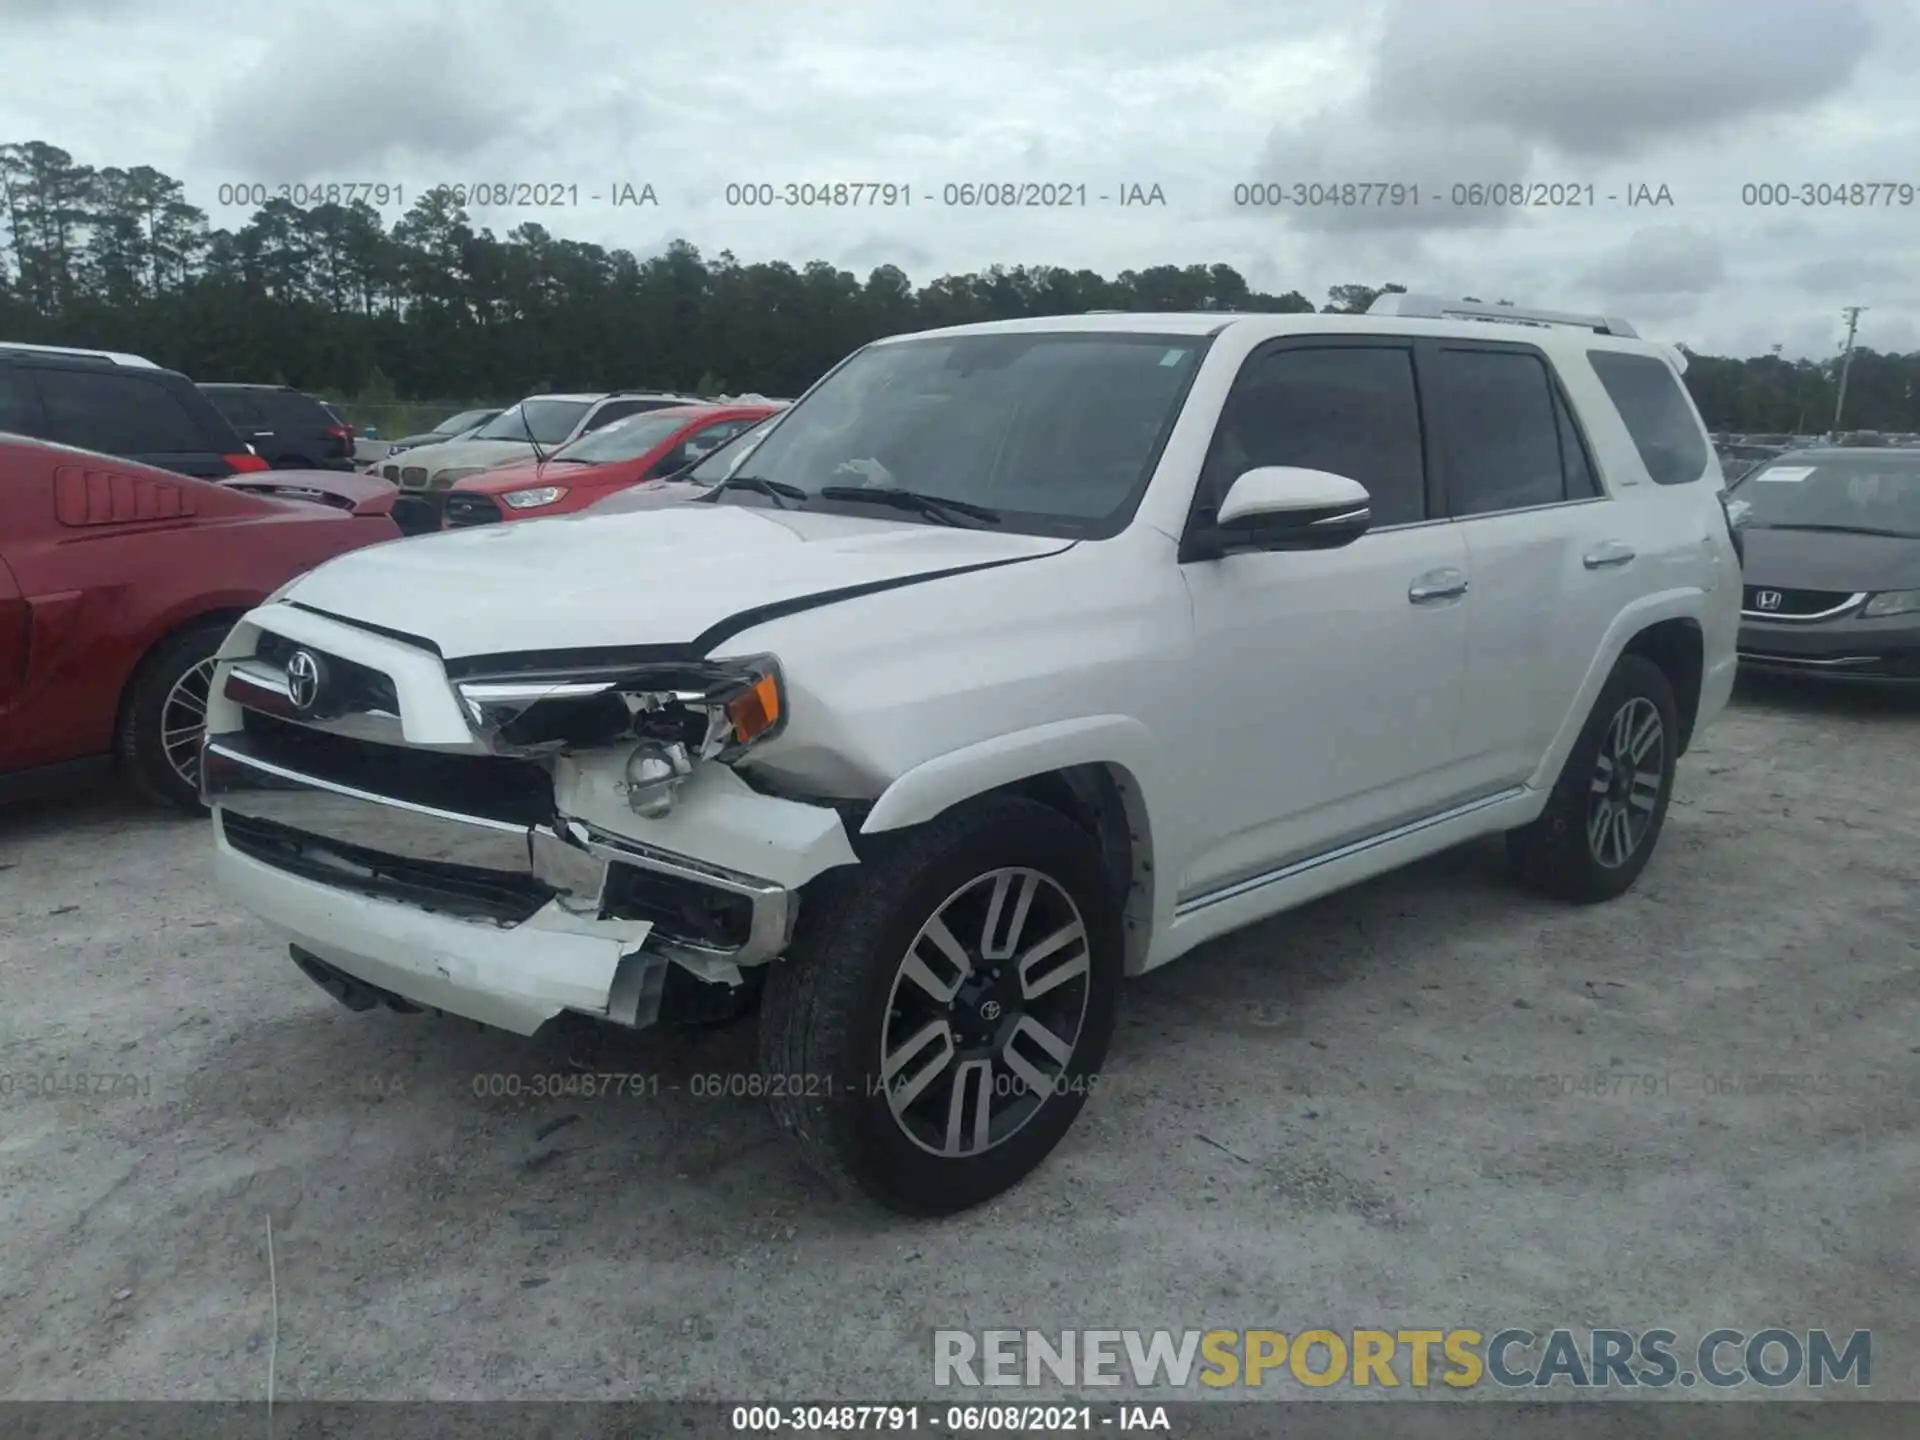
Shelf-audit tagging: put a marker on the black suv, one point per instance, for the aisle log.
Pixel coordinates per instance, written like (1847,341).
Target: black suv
(119,405)
(291,429)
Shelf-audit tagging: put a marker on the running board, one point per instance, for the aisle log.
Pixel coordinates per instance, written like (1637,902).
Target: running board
(1238,888)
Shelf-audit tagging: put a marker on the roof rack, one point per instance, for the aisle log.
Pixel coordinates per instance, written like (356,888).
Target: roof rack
(112,357)
(1435,307)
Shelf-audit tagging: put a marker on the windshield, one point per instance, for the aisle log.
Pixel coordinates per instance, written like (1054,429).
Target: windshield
(725,460)
(1881,493)
(1057,432)
(551,421)
(461,423)
(627,439)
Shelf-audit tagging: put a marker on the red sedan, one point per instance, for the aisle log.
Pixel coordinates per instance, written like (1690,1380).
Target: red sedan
(625,453)
(118,583)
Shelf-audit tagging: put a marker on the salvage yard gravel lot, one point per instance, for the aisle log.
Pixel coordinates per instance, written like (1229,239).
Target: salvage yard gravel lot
(1432,1101)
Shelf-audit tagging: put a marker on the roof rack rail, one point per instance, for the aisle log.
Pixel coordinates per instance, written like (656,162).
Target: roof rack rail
(112,357)
(1435,307)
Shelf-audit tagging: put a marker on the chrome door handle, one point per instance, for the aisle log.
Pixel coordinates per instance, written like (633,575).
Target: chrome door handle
(1614,552)
(1443,584)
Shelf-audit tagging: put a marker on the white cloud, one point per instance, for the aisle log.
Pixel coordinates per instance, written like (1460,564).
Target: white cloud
(1606,78)
(1703,96)
(1665,260)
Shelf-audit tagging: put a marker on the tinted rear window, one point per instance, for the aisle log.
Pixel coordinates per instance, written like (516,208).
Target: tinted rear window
(301,410)
(1503,438)
(237,405)
(120,414)
(1648,396)
(17,410)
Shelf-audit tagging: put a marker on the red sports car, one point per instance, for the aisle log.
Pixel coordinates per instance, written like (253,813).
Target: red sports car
(117,584)
(624,453)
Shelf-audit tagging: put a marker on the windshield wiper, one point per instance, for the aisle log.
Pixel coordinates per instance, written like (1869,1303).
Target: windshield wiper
(777,491)
(1838,529)
(934,507)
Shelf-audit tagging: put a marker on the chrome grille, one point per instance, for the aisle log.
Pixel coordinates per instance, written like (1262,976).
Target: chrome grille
(1772,601)
(470,891)
(491,787)
(355,688)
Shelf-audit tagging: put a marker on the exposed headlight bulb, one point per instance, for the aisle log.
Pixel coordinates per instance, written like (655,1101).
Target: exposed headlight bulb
(654,773)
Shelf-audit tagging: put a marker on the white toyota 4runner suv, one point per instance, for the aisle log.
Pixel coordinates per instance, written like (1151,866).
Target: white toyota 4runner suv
(1012,660)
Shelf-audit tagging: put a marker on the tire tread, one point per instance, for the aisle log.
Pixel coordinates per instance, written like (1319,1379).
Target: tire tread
(809,1009)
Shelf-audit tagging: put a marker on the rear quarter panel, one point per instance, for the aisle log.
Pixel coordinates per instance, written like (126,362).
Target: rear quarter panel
(1685,567)
(104,587)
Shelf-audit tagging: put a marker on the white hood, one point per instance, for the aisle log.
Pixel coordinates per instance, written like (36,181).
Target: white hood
(449,454)
(649,577)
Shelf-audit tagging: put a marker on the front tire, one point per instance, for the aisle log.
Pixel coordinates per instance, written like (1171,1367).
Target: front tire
(165,717)
(1610,802)
(946,1006)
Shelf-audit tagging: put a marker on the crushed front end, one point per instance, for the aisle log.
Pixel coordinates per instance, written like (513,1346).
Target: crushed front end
(505,841)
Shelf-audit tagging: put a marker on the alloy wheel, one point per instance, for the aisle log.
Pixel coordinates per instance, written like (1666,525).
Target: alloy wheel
(985,1012)
(183,721)
(1627,777)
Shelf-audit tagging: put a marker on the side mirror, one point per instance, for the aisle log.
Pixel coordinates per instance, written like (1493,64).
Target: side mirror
(1285,507)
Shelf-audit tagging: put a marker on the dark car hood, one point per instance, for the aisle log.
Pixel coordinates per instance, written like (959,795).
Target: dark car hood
(1830,560)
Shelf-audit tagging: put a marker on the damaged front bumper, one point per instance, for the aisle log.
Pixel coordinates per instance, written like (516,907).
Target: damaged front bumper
(499,917)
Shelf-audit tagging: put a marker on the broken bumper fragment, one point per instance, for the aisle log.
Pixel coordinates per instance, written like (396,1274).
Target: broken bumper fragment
(468,902)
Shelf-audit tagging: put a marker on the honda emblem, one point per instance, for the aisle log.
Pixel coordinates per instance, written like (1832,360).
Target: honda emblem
(1768,599)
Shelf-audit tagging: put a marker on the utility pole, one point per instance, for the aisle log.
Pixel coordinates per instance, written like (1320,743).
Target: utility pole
(1852,312)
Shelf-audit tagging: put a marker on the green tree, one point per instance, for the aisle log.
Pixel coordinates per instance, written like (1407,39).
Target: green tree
(430,306)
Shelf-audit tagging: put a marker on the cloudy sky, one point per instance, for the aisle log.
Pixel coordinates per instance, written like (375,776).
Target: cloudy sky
(1703,97)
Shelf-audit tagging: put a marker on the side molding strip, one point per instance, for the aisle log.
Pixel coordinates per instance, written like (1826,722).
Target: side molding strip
(1313,862)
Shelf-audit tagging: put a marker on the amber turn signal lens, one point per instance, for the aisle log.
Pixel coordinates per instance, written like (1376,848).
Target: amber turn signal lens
(756,710)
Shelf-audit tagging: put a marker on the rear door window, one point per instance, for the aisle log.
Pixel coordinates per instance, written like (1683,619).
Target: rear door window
(1657,414)
(1503,448)
(294,413)
(1582,482)
(118,413)
(239,408)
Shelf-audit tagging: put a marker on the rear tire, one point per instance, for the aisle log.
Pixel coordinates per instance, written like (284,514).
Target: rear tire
(165,715)
(920,1045)
(1610,802)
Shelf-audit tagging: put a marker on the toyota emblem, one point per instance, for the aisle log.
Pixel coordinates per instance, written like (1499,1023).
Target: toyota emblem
(990,1010)
(305,676)
(1768,599)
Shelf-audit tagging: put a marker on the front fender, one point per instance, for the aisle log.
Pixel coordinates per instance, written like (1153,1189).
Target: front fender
(936,785)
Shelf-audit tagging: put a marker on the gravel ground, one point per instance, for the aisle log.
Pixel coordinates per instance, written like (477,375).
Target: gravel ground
(1325,1120)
